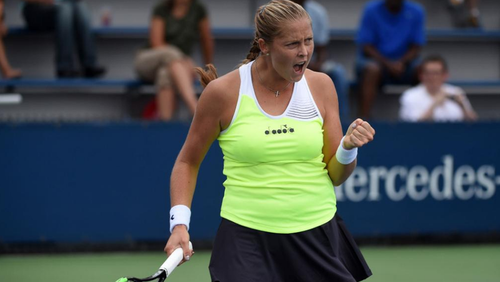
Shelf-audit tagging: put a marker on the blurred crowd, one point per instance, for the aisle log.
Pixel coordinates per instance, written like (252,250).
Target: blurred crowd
(390,38)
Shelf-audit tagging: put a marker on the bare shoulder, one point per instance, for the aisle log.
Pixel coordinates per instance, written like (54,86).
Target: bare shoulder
(222,89)
(318,81)
(220,97)
(322,89)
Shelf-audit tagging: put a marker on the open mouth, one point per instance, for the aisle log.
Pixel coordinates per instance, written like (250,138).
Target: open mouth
(299,67)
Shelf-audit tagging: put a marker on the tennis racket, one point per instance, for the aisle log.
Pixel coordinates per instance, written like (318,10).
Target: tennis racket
(165,269)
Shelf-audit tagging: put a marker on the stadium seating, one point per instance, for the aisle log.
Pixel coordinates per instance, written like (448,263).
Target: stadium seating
(473,54)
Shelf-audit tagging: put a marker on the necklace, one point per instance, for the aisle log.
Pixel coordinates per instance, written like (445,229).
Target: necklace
(276,92)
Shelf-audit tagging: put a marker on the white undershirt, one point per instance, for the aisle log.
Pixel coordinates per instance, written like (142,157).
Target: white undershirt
(417,100)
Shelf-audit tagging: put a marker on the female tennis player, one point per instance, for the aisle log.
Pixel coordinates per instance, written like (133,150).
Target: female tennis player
(278,125)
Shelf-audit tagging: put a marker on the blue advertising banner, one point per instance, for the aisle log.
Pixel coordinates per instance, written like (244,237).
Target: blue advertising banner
(425,179)
(110,182)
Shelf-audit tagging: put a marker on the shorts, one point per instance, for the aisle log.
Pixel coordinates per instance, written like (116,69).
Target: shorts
(325,253)
(409,76)
(152,65)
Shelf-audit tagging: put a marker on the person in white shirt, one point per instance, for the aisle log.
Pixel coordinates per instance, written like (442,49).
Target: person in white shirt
(433,99)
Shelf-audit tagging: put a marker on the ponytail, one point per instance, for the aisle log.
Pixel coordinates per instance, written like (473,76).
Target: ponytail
(253,53)
(207,75)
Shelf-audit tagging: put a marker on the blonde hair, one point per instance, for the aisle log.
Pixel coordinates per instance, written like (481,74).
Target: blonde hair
(269,20)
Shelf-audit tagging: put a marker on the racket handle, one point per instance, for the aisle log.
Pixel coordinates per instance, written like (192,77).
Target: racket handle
(173,260)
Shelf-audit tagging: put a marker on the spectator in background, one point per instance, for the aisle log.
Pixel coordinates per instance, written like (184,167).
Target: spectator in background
(319,62)
(433,99)
(7,71)
(71,21)
(389,40)
(465,13)
(175,28)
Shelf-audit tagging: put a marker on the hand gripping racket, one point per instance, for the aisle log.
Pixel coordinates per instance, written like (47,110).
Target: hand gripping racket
(165,269)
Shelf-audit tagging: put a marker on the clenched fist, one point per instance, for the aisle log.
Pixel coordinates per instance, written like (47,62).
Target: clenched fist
(359,133)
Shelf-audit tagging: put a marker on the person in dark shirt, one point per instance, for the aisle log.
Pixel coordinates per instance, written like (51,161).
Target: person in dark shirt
(176,26)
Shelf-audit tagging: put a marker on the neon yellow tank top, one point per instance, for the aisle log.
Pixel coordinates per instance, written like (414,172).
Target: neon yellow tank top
(276,178)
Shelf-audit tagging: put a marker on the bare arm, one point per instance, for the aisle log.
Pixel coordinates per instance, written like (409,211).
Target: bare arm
(428,115)
(395,67)
(206,40)
(462,101)
(157,32)
(411,54)
(3,27)
(356,136)
(372,52)
(324,92)
(204,130)
(211,116)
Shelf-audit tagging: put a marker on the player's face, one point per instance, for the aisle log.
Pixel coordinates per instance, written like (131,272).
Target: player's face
(291,51)
(433,75)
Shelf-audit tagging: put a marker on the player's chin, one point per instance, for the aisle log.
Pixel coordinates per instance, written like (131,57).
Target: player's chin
(296,76)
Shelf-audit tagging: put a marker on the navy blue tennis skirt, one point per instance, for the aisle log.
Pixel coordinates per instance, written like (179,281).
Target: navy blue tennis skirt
(325,253)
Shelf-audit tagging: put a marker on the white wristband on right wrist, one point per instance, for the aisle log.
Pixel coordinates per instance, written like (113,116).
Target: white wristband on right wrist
(179,214)
(345,156)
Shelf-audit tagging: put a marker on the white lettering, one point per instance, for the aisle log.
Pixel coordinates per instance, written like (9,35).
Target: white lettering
(418,176)
(464,176)
(390,184)
(358,179)
(418,183)
(376,173)
(488,183)
(447,172)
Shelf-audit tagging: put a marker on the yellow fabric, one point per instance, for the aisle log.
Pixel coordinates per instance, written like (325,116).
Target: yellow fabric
(276,181)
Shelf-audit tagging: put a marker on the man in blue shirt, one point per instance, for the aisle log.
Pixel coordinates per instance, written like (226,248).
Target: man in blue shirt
(389,40)
(320,62)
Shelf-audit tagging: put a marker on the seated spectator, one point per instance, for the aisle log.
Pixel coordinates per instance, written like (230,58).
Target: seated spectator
(71,21)
(175,27)
(7,71)
(389,40)
(465,13)
(320,62)
(433,99)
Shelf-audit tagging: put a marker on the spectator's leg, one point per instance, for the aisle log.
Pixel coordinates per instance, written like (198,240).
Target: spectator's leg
(339,77)
(182,78)
(7,71)
(176,73)
(45,18)
(165,98)
(370,81)
(87,51)
(65,40)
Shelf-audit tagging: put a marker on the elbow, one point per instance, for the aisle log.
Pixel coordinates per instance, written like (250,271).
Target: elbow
(338,182)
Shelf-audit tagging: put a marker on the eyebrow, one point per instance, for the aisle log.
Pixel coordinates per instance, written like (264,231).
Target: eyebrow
(290,39)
